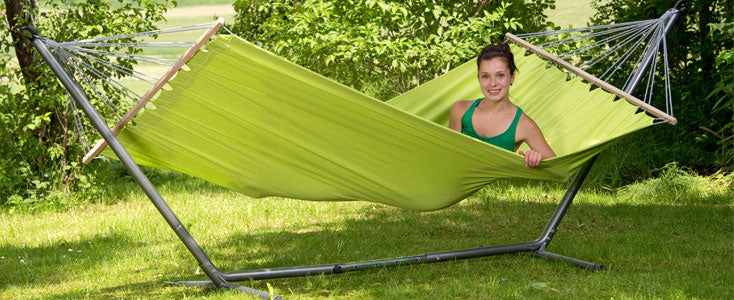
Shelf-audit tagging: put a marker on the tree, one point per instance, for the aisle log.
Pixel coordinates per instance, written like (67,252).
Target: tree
(39,152)
(383,47)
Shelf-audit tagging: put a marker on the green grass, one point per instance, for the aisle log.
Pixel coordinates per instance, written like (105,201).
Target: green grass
(575,13)
(660,247)
(188,3)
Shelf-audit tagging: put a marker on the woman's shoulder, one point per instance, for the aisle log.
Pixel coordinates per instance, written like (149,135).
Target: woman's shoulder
(462,104)
(526,125)
(525,119)
(459,107)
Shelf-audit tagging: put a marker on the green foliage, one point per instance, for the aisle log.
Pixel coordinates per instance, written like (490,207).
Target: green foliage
(723,92)
(382,48)
(39,153)
(724,63)
(695,73)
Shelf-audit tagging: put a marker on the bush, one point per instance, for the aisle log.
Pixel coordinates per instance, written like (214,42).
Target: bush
(39,153)
(383,47)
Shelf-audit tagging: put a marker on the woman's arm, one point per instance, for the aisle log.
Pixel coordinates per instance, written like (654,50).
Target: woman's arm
(530,133)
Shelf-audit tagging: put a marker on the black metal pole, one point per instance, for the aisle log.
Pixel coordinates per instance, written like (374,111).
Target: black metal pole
(101,126)
(545,238)
(566,201)
(670,16)
(339,268)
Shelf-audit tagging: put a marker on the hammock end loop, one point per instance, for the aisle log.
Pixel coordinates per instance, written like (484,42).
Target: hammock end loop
(33,33)
(679,5)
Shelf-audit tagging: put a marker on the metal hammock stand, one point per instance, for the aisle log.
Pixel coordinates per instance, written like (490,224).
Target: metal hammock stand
(222,279)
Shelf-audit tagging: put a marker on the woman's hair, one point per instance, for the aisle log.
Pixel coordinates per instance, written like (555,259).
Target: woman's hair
(501,50)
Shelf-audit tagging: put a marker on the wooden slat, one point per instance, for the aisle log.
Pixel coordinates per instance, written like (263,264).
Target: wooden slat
(593,79)
(157,87)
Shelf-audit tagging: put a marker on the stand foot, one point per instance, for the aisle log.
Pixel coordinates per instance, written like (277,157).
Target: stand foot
(244,289)
(576,262)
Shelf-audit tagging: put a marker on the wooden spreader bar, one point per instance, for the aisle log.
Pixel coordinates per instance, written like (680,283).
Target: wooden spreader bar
(593,79)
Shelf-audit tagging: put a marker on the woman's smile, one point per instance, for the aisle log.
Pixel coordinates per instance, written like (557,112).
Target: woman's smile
(495,79)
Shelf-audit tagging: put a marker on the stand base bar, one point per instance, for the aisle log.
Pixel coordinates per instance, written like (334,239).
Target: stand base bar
(339,268)
(575,262)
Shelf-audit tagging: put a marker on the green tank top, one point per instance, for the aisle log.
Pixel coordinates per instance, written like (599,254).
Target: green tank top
(505,140)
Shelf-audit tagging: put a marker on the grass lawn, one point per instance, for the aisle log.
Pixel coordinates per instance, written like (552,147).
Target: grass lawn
(189,3)
(575,13)
(666,238)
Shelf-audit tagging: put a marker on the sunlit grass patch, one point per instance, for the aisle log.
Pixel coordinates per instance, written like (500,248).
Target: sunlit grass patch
(177,17)
(575,13)
(675,185)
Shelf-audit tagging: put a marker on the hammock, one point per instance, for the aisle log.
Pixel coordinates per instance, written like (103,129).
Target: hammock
(250,121)
(253,122)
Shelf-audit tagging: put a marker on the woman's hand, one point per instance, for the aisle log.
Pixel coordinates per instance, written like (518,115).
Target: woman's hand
(529,132)
(532,158)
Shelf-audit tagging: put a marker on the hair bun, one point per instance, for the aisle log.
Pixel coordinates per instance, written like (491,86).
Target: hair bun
(505,47)
(501,50)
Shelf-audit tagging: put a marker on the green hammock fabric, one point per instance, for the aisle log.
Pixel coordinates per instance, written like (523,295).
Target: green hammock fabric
(250,121)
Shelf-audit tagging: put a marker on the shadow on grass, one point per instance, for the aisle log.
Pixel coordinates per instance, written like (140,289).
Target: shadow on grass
(147,289)
(674,245)
(51,263)
(119,184)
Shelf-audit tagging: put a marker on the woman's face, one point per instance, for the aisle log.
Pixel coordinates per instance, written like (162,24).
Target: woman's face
(495,79)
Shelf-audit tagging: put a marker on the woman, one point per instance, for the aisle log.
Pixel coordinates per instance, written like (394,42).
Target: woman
(493,118)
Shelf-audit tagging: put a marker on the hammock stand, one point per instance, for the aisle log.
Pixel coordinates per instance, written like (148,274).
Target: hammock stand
(222,279)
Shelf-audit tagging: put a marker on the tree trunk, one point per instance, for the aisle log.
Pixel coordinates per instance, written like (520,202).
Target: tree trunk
(20,13)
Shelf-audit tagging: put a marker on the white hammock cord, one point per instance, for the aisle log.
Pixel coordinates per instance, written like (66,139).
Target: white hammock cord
(647,36)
